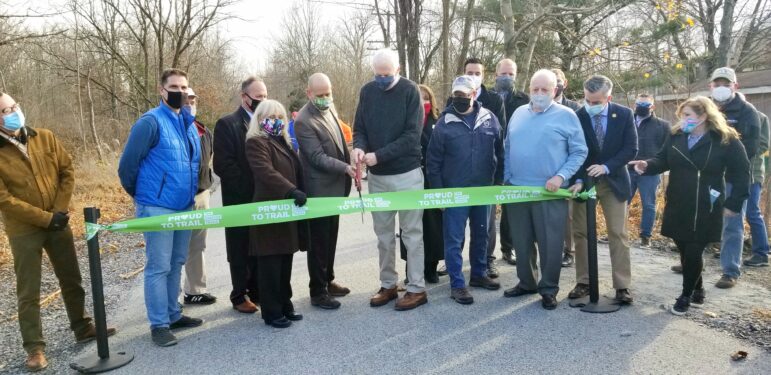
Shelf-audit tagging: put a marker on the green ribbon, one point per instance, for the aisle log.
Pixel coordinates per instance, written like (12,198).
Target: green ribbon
(281,211)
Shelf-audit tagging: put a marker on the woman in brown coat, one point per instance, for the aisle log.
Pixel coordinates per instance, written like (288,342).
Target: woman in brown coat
(277,175)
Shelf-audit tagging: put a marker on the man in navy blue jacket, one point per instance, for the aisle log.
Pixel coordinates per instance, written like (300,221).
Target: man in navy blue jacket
(466,150)
(159,169)
(612,141)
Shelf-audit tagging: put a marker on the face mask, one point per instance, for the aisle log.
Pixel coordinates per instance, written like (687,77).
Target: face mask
(594,110)
(560,90)
(191,109)
(476,79)
(14,121)
(384,82)
(461,104)
(273,126)
(689,124)
(722,93)
(504,83)
(642,109)
(174,99)
(322,103)
(253,102)
(540,101)
(426,108)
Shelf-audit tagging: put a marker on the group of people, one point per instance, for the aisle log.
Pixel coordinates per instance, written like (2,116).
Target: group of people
(482,137)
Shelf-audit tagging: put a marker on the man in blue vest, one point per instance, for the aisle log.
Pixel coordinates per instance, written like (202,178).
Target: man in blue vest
(159,169)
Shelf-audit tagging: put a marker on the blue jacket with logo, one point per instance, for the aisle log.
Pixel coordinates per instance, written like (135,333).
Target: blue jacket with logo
(462,154)
(160,163)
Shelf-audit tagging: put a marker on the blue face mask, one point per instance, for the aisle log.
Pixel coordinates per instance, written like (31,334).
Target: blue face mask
(594,110)
(14,121)
(689,124)
(384,81)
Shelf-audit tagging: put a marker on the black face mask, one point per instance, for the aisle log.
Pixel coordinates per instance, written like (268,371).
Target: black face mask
(254,102)
(174,99)
(461,104)
(642,111)
(560,90)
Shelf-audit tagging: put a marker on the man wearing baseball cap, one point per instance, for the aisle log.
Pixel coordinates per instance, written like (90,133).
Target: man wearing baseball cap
(466,150)
(743,117)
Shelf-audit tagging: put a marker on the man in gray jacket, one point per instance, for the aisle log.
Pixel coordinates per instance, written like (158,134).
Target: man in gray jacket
(326,163)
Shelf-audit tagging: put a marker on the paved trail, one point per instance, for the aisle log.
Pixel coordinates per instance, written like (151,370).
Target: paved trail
(494,335)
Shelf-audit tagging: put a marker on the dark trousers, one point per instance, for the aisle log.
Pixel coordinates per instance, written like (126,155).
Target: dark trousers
(691,258)
(27,253)
(506,245)
(321,255)
(275,275)
(243,268)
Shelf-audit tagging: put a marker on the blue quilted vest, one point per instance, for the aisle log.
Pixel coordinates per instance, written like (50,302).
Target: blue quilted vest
(168,176)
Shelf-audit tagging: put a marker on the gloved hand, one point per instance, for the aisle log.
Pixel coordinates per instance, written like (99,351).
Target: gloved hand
(59,221)
(299,197)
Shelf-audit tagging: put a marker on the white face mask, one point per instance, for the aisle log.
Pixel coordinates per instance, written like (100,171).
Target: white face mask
(722,93)
(477,80)
(541,101)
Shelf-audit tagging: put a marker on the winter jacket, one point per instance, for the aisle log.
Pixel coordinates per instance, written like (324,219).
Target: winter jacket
(743,117)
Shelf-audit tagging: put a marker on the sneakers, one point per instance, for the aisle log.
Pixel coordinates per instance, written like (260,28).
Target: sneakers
(462,296)
(579,291)
(492,270)
(681,306)
(442,271)
(567,260)
(756,261)
(200,299)
(484,282)
(697,298)
(163,337)
(726,282)
(325,302)
(186,322)
(509,257)
(645,242)
(36,361)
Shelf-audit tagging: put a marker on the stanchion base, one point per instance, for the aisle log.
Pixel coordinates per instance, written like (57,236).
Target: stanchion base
(603,305)
(94,365)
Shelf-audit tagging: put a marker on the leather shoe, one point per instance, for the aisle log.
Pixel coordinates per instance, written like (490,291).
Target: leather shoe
(383,296)
(580,291)
(484,282)
(247,307)
(281,322)
(325,302)
(411,301)
(517,291)
(623,296)
(293,316)
(549,302)
(90,334)
(509,257)
(36,361)
(462,296)
(337,290)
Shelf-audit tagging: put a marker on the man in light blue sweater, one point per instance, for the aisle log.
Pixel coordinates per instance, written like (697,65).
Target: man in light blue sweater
(545,146)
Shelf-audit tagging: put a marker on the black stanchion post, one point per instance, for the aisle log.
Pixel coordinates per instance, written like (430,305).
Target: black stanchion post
(104,360)
(594,303)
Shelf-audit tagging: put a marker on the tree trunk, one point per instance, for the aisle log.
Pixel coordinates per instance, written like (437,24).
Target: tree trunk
(464,43)
(507,14)
(529,57)
(77,74)
(726,29)
(446,74)
(92,118)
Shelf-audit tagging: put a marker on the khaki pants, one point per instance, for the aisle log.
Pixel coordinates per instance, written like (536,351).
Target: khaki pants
(411,224)
(615,212)
(27,253)
(195,266)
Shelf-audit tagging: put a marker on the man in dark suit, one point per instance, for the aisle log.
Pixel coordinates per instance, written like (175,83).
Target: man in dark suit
(612,140)
(237,188)
(327,169)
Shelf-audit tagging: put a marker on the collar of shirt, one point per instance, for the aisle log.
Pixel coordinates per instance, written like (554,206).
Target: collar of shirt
(16,142)
(479,92)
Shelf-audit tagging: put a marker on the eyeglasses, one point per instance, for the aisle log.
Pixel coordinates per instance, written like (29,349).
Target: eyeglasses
(11,109)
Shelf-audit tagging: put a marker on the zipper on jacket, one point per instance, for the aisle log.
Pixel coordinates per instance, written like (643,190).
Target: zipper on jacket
(163,182)
(698,180)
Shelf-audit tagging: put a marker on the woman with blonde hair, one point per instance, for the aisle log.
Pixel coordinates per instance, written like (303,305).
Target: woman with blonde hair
(277,175)
(702,154)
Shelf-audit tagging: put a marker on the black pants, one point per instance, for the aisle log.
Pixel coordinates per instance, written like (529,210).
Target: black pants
(275,275)
(691,258)
(243,268)
(321,255)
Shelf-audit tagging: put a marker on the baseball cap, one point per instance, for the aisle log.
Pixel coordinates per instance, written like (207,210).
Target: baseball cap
(463,84)
(190,92)
(725,73)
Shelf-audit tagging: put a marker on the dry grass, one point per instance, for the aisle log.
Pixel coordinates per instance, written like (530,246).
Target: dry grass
(96,184)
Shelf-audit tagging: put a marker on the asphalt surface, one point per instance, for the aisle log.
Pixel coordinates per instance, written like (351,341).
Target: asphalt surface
(494,335)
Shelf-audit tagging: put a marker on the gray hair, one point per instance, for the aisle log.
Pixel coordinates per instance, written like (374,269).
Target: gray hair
(506,61)
(599,83)
(385,56)
(248,82)
(546,73)
(267,108)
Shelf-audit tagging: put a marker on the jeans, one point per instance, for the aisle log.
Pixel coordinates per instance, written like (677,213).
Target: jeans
(454,234)
(648,185)
(166,253)
(733,240)
(755,219)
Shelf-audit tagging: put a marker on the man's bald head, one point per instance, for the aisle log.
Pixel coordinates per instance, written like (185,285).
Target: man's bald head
(319,86)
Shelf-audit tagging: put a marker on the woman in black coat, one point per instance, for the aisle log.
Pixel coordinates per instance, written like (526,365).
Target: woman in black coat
(702,154)
(277,175)
(433,240)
